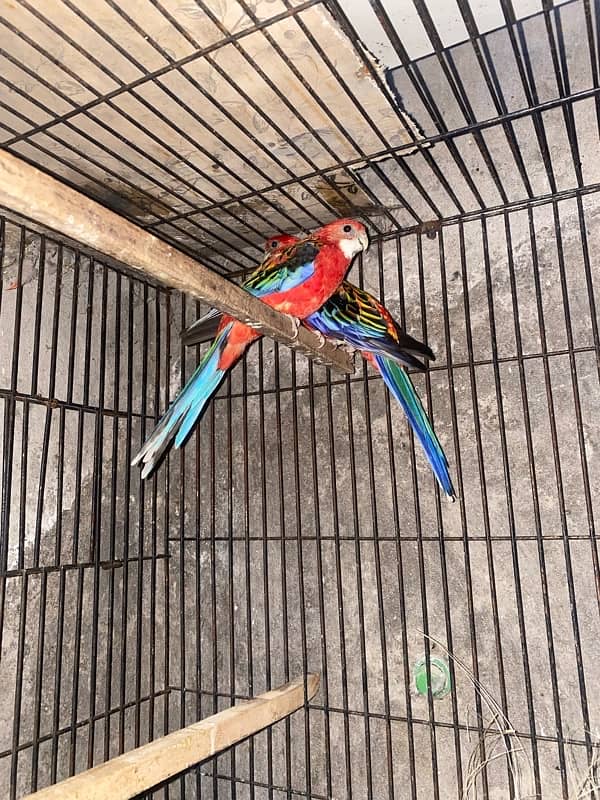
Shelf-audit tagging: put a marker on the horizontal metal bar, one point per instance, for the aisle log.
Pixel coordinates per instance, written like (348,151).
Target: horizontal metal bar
(116,563)
(82,723)
(84,220)
(333,709)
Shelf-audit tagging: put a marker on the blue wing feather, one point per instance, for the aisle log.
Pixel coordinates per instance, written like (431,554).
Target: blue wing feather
(284,271)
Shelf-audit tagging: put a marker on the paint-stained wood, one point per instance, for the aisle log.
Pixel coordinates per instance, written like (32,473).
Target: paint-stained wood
(141,769)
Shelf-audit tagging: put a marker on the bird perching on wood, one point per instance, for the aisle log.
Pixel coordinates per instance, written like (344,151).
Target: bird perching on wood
(295,280)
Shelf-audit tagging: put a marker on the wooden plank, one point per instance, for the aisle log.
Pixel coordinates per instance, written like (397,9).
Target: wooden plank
(141,769)
(35,195)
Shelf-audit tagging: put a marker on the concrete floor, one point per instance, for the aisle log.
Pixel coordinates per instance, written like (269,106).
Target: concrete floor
(301,530)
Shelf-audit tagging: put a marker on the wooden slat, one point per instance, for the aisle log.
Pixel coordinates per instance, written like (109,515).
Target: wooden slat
(35,195)
(141,769)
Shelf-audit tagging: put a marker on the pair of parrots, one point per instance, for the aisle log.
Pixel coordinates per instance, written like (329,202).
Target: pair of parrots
(305,279)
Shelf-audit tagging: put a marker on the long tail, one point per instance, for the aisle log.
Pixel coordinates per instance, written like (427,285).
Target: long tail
(400,385)
(186,408)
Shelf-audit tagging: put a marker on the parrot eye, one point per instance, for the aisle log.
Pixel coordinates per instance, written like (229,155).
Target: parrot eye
(347,228)
(273,244)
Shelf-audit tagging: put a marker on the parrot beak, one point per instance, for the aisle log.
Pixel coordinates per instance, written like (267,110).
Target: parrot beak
(363,238)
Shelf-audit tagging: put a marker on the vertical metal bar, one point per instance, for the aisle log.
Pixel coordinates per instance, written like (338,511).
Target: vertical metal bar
(60,625)
(421,556)
(75,678)
(359,584)
(248,573)
(400,559)
(339,582)
(166,546)
(283,561)
(10,414)
(300,553)
(213,580)
(77,518)
(112,544)
(139,618)
(230,582)
(376,550)
(123,668)
(182,546)
(96,527)
(8,444)
(39,675)
(16,726)
(59,512)
(265,553)
(320,576)
(154,529)
(41,259)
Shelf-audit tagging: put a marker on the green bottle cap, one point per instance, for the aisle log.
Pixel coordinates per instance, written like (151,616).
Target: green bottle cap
(441,683)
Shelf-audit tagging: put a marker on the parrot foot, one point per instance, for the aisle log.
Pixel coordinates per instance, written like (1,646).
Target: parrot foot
(296,323)
(321,338)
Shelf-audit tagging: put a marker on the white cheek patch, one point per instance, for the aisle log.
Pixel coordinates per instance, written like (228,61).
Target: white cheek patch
(349,247)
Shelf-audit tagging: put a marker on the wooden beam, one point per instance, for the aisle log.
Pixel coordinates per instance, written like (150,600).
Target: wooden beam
(141,769)
(35,195)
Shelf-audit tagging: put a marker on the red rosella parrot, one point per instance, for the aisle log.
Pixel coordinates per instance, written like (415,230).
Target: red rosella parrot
(354,317)
(297,281)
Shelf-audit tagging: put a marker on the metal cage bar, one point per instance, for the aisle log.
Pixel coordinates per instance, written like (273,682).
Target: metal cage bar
(300,530)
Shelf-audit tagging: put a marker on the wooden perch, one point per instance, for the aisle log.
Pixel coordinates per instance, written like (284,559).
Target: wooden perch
(37,196)
(147,766)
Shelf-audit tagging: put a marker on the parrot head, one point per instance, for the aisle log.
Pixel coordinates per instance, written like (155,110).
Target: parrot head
(279,242)
(348,234)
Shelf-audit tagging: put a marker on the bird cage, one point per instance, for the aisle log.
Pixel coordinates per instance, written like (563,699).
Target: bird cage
(148,150)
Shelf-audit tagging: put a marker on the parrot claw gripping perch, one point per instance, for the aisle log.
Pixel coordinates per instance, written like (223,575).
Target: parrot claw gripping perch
(296,323)
(322,340)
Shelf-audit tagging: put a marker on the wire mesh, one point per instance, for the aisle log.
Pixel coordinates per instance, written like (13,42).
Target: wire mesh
(300,529)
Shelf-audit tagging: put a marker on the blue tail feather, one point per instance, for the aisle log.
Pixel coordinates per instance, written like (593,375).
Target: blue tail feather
(187,407)
(400,385)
